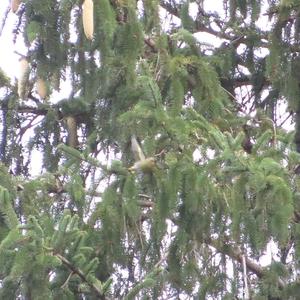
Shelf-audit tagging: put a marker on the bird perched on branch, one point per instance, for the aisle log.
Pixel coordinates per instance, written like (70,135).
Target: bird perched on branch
(142,163)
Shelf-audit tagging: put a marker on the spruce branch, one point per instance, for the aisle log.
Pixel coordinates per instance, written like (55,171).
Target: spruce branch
(81,156)
(32,110)
(148,281)
(199,26)
(236,254)
(82,276)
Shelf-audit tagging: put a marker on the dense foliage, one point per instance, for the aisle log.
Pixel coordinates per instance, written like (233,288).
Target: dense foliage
(209,94)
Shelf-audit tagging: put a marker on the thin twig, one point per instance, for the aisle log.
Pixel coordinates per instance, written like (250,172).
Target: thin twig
(67,280)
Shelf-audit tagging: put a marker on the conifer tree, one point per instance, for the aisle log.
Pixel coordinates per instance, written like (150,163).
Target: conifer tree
(166,138)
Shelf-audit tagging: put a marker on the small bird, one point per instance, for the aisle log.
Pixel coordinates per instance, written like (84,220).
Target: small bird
(142,163)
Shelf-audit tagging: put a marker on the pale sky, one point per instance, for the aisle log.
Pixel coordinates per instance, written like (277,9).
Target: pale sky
(8,59)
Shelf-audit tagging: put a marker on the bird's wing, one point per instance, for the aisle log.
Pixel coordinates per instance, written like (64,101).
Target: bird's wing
(136,149)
